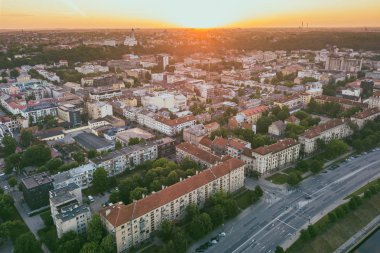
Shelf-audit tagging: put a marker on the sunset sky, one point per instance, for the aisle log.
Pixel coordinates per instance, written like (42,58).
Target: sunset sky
(41,14)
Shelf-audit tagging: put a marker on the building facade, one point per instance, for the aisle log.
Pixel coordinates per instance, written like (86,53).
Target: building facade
(132,224)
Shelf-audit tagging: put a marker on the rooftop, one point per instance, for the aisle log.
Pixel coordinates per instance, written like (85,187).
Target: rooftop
(119,214)
(317,130)
(36,180)
(197,152)
(91,141)
(276,147)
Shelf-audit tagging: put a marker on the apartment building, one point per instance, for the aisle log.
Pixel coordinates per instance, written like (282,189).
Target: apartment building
(118,161)
(99,109)
(134,223)
(166,126)
(374,101)
(345,103)
(70,114)
(361,118)
(203,158)
(81,176)
(68,211)
(104,94)
(194,134)
(253,114)
(269,158)
(36,112)
(293,102)
(333,129)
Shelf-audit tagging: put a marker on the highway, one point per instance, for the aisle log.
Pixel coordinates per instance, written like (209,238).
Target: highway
(282,213)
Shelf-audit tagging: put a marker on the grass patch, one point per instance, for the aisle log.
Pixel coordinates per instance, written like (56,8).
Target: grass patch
(152,249)
(244,199)
(332,235)
(363,189)
(278,178)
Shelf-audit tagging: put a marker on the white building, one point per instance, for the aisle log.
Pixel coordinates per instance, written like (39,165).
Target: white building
(134,223)
(81,176)
(130,40)
(99,110)
(333,129)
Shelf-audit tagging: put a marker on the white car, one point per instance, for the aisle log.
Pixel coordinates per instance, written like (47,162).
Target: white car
(6,188)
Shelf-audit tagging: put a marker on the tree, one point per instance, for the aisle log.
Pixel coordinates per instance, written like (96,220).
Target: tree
(180,240)
(12,161)
(231,208)
(217,215)
(200,225)
(12,181)
(192,211)
(172,178)
(92,153)
(293,179)
(108,244)
(91,247)
(125,187)
(263,124)
(35,155)
(14,73)
(133,141)
(118,145)
(258,191)
(78,157)
(95,229)
(279,249)
(166,231)
(53,164)
(69,243)
(114,197)
(26,138)
(27,243)
(137,193)
(100,180)
(9,145)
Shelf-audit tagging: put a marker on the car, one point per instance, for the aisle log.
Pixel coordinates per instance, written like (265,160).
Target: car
(91,198)
(222,234)
(214,241)
(6,188)
(307,197)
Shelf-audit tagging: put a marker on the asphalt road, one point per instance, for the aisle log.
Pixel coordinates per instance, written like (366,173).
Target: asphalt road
(282,213)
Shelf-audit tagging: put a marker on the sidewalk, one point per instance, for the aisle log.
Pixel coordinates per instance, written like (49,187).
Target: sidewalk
(359,236)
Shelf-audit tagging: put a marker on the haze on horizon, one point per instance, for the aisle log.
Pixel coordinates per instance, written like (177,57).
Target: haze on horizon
(76,14)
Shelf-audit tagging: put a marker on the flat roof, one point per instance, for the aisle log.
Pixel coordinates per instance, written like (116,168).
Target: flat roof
(36,180)
(91,141)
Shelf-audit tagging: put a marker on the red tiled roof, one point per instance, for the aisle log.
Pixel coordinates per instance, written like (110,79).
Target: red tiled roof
(235,143)
(205,141)
(317,130)
(119,214)
(220,141)
(339,100)
(366,113)
(276,147)
(197,152)
(256,110)
(175,122)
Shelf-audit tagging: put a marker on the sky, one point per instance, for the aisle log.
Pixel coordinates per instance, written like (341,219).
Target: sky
(72,14)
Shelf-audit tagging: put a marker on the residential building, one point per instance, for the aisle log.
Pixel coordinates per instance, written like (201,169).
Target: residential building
(99,109)
(330,130)
(117,161)
(274,156)
(68,211)
(277,128)
(374,100)
(70,114)
(343,64)
(253,114)
(361,118)
(132,224)
(202,157)
(81,176)
(194,134)
(36,190)
(126,135)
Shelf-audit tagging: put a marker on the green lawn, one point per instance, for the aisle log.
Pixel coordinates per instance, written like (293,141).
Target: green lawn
(363,189)
(243,199)
(339,232)
(278,178)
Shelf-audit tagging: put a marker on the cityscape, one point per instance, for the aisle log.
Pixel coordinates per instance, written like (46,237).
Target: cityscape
(189,126)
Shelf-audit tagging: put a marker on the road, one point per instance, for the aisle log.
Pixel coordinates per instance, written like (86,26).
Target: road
(278,217)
